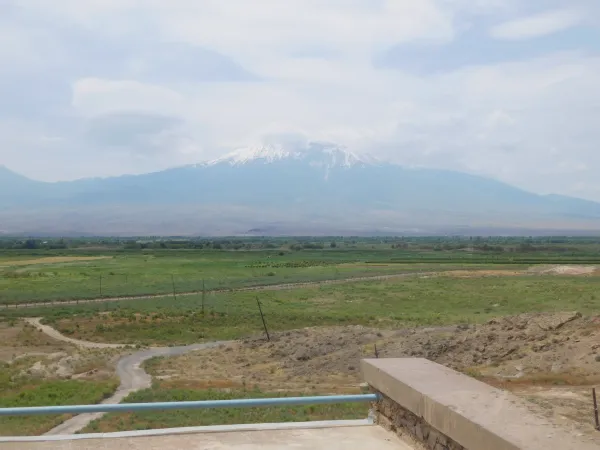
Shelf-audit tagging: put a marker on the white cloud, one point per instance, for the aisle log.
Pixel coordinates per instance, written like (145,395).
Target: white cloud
(24,48)
(536,25)
(94,96)
(278,27)
(254,31)
(526,121)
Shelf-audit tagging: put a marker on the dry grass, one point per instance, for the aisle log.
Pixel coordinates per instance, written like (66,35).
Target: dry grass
(480,273)
(49,260)
(552,359)
(38,370)
(324,359)
(541,270)
(564,398)
(19,339)
(564,270)
(540,380)
(31,354)
(568,406)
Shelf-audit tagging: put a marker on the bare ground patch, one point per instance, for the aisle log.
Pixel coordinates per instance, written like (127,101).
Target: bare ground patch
(298,360)
(29,354)
(551,359)
(18,339)
(480,273)
(534,270)
(564,270)
(50,260)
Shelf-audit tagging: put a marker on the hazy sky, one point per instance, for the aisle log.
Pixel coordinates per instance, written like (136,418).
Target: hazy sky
(504,88)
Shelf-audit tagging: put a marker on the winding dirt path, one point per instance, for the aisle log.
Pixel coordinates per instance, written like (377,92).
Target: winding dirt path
(268,287)
(129,370)
(55,334)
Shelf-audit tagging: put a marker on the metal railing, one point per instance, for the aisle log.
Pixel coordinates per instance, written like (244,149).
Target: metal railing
(204,404)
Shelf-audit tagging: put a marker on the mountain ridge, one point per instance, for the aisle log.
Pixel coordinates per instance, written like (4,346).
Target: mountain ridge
(313,186)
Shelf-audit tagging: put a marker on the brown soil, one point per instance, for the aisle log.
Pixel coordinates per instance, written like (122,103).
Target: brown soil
(297,360)
(569,406)
(31,354)
(564,270)
(552,359)
(480,273)
(19,339)
(51,332)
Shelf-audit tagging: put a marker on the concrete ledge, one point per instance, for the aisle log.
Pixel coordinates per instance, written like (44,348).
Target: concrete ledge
(472,414)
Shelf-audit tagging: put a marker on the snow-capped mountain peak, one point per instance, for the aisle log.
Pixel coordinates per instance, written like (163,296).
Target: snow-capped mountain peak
(316,154)
(265,153)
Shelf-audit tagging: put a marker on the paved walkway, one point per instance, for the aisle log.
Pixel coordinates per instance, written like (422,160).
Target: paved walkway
(340,438)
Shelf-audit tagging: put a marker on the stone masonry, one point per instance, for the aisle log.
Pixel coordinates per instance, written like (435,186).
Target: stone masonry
(410,427)
(447,410)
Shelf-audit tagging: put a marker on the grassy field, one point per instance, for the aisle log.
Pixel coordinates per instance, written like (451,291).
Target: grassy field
(71,274)
(65,392)
(436,300)
(460,288)
(198,417)
(36,279)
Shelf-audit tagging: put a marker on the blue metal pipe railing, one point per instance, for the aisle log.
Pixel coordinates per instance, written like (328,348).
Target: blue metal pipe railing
(236,403)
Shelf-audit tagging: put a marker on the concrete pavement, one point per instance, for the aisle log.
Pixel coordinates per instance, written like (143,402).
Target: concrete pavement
(334,438)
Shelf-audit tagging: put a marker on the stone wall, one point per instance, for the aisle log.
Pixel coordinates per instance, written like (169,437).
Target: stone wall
(447,410)
(410,427)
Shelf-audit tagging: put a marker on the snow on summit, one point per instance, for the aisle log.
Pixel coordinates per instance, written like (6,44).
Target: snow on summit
(314,154)
(267,153)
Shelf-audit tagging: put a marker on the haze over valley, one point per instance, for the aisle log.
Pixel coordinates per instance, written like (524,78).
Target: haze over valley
(318,188)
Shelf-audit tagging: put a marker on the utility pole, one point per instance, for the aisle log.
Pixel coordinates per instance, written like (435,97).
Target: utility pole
(263,319)
(595,409)
(173,283)
(203,295)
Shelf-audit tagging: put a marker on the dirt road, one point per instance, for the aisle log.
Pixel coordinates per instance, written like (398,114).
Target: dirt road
(35,321)
(129,370)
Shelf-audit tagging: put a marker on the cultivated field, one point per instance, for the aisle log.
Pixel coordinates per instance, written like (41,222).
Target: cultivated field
(59,279)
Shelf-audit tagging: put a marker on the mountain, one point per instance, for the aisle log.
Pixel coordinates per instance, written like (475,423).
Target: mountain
(314,189)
